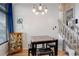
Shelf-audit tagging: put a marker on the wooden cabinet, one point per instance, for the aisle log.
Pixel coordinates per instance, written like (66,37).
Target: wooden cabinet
(15,43)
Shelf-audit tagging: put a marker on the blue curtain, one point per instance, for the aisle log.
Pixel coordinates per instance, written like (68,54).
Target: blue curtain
(10,18)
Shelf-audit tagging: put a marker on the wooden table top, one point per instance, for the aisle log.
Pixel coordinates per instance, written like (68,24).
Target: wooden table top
(41,38)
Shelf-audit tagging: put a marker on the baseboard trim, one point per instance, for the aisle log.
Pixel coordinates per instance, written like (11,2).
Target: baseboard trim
(25,48)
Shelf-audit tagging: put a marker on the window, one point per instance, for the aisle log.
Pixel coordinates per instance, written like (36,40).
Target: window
(3,19)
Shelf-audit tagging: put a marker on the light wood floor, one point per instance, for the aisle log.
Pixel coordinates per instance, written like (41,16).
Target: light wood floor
(25,53)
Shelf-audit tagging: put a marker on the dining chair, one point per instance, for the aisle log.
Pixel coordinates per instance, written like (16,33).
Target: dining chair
(44,50)
(52,46)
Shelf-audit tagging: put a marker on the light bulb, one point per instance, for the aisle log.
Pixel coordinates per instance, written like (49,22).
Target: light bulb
(33,9)
(40,7)
(42,13)
(45,10)
(37,13)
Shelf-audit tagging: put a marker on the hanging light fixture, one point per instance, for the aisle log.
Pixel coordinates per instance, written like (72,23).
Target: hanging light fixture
(40,9)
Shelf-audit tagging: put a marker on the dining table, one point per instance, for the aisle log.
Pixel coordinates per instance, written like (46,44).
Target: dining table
(41,40)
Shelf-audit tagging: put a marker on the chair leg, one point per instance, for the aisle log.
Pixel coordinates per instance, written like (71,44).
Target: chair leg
(28,52)
(52,53)
(49,54)
(46,45)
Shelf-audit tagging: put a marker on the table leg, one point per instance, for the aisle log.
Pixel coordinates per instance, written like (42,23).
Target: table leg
(43,46)
(33,50)
(56,48)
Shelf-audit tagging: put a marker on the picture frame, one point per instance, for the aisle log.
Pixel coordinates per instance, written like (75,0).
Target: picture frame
(63,29)
(75,38)
(77,42)
(71,38)
(66,32)
(74,41)
(67,40)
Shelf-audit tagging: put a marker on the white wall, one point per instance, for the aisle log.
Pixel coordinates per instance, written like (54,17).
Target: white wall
(4,49)
(77,12)
(36,24)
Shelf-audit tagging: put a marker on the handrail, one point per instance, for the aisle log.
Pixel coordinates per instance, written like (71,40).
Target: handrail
(72,38)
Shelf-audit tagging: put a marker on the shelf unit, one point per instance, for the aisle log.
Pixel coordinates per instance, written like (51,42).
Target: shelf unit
(15,43)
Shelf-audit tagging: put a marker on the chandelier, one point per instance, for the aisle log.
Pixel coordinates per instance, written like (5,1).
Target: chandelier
(40,9)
